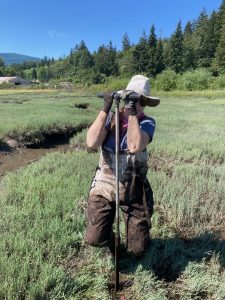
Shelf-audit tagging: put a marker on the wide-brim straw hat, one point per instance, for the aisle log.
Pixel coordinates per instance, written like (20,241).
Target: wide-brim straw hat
(141,85)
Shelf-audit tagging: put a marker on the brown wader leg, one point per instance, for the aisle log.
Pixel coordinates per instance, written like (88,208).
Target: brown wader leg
(100,215)
(138,210)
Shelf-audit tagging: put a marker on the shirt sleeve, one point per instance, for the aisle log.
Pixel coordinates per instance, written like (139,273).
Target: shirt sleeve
(148,125)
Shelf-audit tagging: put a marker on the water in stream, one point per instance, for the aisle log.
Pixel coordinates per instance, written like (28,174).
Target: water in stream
(13,160)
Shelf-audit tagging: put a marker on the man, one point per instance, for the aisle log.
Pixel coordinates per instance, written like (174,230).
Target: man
(136,197)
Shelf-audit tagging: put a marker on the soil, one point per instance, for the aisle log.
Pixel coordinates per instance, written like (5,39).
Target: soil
(160,164)
(11,160)
(15,153)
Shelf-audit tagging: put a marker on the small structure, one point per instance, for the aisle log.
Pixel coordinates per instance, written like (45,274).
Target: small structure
(14,80)
(34,81)
(65,85)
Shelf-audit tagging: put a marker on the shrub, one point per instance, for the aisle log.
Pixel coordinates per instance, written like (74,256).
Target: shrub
(6,85)
(98,78)
(198,79)
(166,81)
(218,82)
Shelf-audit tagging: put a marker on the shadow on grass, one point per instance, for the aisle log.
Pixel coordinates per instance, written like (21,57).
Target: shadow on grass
(168,258)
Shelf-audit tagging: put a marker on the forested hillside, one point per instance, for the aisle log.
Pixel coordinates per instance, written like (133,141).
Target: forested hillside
(14,58)
(199,44)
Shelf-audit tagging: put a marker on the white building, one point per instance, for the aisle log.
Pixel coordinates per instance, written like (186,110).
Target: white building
(15,80)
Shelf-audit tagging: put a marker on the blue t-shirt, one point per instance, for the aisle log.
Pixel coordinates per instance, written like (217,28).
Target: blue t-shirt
(147,124)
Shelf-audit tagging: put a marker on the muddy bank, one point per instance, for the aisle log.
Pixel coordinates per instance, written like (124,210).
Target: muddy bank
(13,160)
(45,138)
(15,153)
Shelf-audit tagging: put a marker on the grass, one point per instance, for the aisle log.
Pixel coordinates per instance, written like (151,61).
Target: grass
(42,219)
(25,115)
(206,94)
(41,225)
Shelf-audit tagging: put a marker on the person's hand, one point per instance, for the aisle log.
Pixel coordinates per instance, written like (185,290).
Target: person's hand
(108,101)
(131,107)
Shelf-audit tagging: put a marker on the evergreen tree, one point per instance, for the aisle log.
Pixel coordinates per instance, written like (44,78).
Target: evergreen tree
(71,56)
(85,60)
(140,55)
(42,74)
(188,30)
(152,44)
(1,62)
(212,37)
(9,71)
(34,74)
(220,19)
(21,74)
(126,62)
(81,58)
(52,61)
(166,52)
(1,71)
(113,59)
(159,58)
(219,60)
(204,40)
(152,39)
(219,22)
(105,60)
(82,45)
(188,48)
(176,50)
(46,61)
(125,43)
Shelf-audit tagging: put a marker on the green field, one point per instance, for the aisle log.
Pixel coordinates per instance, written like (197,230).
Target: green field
(28,115)
(42,220)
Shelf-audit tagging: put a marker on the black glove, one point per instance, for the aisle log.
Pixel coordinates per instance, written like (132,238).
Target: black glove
(131,107)
(130,98)
(108,101)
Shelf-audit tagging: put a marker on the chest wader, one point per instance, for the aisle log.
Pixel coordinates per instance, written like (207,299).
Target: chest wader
(135,170)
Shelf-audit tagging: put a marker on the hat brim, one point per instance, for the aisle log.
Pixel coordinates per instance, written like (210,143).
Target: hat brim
(149,101)
(146,100)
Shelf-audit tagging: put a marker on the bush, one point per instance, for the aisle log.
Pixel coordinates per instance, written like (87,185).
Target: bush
(112,84)
(98,78)
(6,85)
(218,82)
(166,81)
(118,83)
(198,79)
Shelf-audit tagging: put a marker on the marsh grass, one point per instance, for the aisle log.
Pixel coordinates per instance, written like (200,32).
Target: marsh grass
(42,255)
(41,112)
(190,129)
(78,141)
(41,220)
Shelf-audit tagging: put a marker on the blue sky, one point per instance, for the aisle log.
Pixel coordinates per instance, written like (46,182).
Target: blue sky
(52,28)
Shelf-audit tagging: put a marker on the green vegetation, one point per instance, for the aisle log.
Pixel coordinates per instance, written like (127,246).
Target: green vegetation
(26,117)
(199,79)
(42,220)
(13,58)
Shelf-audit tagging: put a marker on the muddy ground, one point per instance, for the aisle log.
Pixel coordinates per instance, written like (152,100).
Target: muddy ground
(17,152)
(13,159)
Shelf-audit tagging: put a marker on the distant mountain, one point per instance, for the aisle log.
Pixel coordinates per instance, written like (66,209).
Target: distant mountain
(14,58)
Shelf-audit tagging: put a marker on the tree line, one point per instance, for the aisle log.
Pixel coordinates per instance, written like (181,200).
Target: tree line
(200,44)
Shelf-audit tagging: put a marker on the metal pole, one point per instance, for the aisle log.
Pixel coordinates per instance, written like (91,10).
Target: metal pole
(117,229)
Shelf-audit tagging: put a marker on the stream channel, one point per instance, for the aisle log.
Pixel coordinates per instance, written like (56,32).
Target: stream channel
(13,159)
